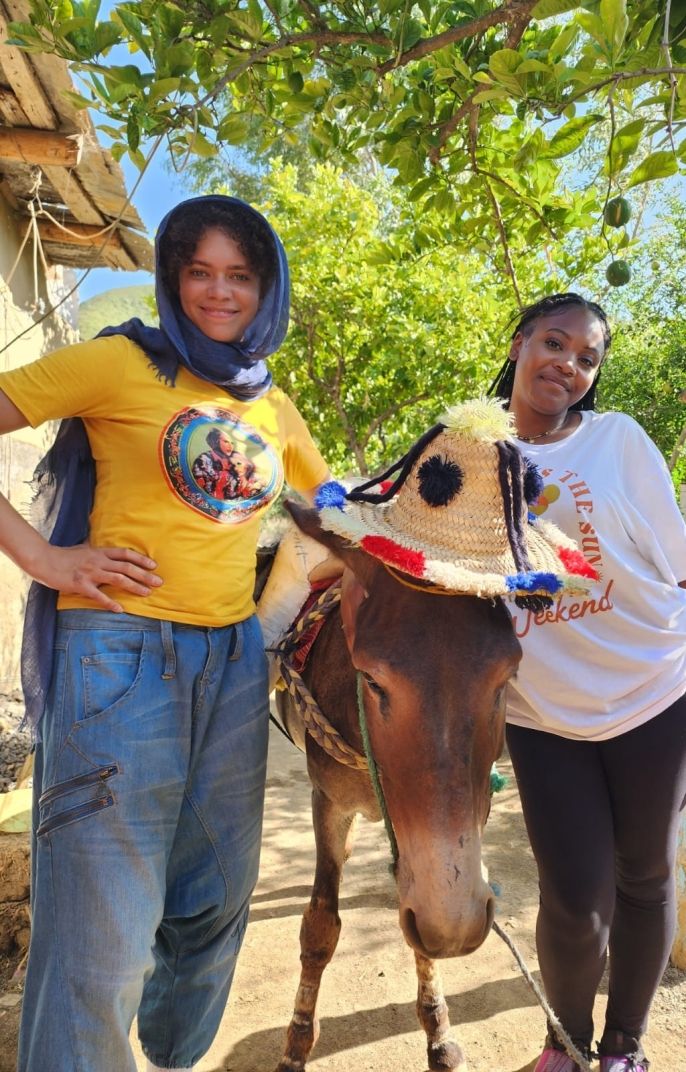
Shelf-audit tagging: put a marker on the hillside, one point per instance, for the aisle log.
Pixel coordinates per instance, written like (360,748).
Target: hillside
(114,307)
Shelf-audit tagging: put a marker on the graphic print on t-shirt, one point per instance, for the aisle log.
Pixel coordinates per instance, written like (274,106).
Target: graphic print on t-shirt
(569,493)
(218,464)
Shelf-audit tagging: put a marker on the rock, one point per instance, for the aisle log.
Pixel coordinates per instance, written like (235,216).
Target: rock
(15,926)
(15,865)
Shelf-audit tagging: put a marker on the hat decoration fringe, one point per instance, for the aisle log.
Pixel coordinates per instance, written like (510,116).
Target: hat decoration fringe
(437,480)
(480,418)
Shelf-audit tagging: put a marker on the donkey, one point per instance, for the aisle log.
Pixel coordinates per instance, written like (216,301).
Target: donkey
(435,668)
(424,639)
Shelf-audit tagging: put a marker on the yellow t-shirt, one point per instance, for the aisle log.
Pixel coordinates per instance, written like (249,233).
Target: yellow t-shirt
(183,473)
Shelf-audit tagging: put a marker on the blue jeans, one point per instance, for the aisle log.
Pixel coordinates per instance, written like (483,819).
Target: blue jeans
(149,790)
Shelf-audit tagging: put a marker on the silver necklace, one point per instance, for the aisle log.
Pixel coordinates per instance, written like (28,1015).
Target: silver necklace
(543,435)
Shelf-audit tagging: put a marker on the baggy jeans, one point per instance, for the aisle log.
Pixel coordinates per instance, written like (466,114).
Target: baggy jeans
(148,798)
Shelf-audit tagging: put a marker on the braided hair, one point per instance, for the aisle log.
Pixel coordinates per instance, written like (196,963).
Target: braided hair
(504,382)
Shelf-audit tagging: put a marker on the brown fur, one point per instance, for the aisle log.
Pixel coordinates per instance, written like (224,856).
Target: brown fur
(436,727)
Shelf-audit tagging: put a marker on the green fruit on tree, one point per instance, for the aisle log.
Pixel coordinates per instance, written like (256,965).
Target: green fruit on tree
(618,273)
(296,81)
(617,212)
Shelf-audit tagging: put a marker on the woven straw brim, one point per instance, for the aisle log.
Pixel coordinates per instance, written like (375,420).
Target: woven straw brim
(480,574)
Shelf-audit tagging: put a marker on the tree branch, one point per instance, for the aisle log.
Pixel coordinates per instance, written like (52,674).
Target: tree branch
(518,10)
(520,22)
(391,411)
(500,226)
(619,76)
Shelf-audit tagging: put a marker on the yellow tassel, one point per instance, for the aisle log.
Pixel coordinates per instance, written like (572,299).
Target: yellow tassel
(481,418)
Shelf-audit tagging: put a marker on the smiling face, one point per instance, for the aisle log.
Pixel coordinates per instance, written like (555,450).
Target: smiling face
(556,361)
(219,291)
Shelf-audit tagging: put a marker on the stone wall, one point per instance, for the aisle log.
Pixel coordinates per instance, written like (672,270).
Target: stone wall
(25,291)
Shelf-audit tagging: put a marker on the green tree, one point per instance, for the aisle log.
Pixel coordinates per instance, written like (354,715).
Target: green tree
(390,322)
(383,336)
(474,105)
(645,375)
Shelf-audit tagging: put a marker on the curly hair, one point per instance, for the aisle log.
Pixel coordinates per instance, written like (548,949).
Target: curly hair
(524,322)
(189,224)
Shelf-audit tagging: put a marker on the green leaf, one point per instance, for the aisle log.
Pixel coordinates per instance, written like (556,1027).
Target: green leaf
(106,35)
(544,9)
(163,88)
(233,128)
(563,41)
(658,165)
(128,74)
(624,144)
(134,28)
(570,136)
(533,67)
(179,58)
(201,146)
(133,132)
(420,188)
(615,23)
(123,92)
(76,100)
(491,94)
(503,65)
(461,66)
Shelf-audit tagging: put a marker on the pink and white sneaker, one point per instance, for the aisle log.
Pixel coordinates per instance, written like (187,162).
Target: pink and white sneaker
(628,1053)
(623,1063)
(552,1060)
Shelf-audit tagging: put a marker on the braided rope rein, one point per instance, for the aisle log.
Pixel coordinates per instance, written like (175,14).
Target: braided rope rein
(315,722)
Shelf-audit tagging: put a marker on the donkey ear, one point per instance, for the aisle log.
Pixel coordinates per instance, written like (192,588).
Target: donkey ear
(308,522)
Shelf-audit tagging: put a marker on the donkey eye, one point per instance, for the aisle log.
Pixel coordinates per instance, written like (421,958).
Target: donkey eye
(373,685)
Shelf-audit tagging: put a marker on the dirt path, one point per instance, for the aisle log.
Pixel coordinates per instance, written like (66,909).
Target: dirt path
(367,1001)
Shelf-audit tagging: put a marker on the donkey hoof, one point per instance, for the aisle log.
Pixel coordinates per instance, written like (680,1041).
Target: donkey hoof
(446,1056)
(286,1065)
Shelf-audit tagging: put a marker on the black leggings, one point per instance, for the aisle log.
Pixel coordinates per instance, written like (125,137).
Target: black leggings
(603,819)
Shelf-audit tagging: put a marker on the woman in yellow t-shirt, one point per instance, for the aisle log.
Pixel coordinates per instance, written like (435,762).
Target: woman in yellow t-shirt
(143,662)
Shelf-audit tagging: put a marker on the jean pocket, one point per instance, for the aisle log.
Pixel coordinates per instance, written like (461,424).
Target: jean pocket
(75,798)
(111,671)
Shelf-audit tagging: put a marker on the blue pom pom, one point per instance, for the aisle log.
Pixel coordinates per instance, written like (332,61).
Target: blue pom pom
(330,494)
(533,582)
(533,481)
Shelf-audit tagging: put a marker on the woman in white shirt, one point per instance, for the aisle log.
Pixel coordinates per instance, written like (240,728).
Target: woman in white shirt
(597,712)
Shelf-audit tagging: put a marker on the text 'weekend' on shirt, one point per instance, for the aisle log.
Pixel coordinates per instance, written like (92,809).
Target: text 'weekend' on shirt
(178,469)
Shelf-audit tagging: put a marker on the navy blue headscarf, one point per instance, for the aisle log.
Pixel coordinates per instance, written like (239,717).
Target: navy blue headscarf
(64,480)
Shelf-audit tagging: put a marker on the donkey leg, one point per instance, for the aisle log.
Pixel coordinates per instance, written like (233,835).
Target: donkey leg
(321,926)
(445,1055)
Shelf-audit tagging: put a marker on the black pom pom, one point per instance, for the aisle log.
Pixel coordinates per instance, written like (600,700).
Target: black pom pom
(534,603)
(439,480)
(533,481)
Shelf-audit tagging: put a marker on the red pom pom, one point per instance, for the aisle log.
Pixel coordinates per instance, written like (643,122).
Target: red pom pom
(574,562)
(389,551)
(385,485)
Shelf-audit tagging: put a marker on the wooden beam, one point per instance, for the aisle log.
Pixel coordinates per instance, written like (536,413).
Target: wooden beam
(24,81)
(31,146)
(77,234)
